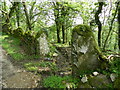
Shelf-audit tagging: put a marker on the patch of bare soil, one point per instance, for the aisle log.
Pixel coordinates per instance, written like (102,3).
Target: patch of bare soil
(22,80)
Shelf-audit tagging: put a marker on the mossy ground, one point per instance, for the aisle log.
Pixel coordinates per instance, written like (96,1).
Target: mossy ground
(13,48)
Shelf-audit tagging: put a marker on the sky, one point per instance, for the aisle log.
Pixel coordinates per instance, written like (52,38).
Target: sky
(58,0)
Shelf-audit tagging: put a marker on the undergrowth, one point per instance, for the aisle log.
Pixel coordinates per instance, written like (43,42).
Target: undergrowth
(13,48)
(55,81)
(32,66)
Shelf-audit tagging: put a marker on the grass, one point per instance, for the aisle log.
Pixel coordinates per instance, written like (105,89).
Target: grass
(55,81)
(12,47)
(32,66)
(61,45)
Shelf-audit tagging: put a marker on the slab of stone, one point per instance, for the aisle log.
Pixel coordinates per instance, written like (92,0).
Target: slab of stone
(100,81)
(85,51)
(43,44)
(84,85)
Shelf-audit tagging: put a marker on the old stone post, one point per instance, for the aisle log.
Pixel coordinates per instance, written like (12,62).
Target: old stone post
(85,52)
(43,44)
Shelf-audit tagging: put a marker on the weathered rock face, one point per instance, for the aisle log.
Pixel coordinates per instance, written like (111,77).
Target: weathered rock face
(85,85)
(85,52)
(100,81)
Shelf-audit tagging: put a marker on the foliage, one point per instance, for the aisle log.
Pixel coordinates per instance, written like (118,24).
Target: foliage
(13,48)
(10,46)
(30,43)
(48,17)
(32,66)
(60,82)
(28,39)
(61,45)
(18,32)
(53,82)
(115,66)
(6,28)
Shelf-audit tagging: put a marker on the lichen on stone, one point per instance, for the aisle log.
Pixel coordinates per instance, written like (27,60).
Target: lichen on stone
(82,30)
(85,51)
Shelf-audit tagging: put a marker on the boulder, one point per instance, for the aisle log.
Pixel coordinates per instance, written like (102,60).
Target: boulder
(100,81)
(83,85)
(84,50)
(117,82)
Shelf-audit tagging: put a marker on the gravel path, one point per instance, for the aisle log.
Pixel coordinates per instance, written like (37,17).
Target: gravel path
(13,77)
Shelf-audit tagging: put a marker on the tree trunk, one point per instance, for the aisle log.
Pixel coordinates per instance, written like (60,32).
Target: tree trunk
(110,27)
(63,23)
(12,9)
(98,22)
(119,25)
(27,16)
(31,15)
(58,31)
(63,33)
(17,15)
(56,14)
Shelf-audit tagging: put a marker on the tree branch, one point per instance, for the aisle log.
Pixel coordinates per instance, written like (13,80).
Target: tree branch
(110,27)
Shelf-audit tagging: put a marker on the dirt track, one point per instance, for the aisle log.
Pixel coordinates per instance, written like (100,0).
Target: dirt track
(14,77)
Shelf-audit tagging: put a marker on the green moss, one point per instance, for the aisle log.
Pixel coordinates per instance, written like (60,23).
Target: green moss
(12,47)
(17,56)
(51,65)
(99,81)
(83,30)
(10,44)
(29,37)
(82,35)
(60,82)
(6,28)
(18,32)
(32,68)
(30,43)
(117,83)
(84,85)
(38,34)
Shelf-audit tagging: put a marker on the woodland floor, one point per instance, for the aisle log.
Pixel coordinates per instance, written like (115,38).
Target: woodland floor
(14,75)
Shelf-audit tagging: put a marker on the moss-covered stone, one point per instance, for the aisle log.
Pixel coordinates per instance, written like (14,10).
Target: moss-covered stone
(30,43)
(85,51)
(84,85)
(6,28)
(28,39)
(38,34)
(18,32)
(117,83)
(43,43)
(100,81)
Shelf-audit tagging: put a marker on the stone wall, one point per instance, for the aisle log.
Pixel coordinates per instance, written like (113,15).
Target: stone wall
(31,42)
